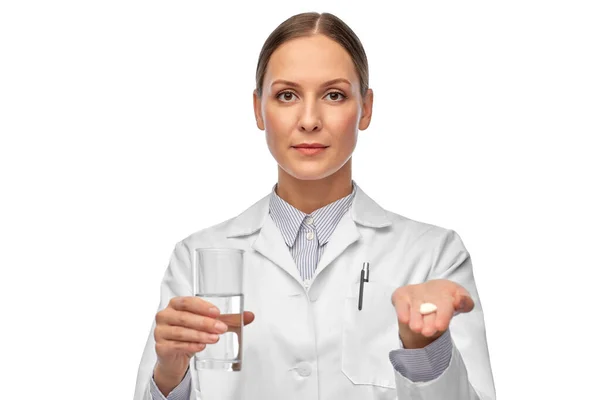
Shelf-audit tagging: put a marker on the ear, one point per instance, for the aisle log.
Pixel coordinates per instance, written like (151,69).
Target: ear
(258,110)
(366,110)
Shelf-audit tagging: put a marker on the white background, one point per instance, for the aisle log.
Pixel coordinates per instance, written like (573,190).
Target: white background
(127,125)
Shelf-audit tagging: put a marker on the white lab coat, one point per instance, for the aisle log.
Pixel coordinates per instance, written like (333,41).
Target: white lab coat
(313,343)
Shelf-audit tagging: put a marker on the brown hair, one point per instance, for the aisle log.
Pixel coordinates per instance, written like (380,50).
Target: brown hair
(308,24)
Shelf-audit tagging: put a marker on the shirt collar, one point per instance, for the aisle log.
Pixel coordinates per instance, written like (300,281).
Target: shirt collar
(289,219)
(364,211)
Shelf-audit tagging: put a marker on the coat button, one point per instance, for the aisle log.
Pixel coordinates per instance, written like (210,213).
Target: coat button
(310,235)
(309,220)
(304,369)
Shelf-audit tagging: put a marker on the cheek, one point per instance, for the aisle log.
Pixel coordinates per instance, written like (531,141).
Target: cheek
(277,120)
(278,126)
(345,127)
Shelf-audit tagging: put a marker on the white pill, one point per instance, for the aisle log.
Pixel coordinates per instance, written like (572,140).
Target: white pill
(427,308)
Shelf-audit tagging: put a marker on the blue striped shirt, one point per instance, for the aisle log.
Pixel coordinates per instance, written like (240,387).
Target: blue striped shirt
(306,236)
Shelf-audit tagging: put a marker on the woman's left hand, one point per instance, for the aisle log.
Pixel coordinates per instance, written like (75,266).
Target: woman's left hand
(417,330)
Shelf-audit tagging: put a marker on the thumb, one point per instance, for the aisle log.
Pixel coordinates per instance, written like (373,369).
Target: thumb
(463,303)
(248,317)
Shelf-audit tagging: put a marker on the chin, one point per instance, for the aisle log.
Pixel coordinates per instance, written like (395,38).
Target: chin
(309,174)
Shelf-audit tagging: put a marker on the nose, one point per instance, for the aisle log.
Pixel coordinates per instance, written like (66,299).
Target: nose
(310,119)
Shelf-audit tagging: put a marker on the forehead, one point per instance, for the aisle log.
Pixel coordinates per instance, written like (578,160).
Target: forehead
(313,58)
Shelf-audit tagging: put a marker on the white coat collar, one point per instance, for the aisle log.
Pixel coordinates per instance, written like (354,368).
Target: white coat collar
(365,211)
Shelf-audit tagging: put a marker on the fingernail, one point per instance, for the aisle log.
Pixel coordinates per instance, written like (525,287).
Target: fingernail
(220,326)
(461,305)
(213,337)
(213,311)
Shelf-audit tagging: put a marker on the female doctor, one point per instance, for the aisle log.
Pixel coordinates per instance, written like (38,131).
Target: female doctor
(305,244)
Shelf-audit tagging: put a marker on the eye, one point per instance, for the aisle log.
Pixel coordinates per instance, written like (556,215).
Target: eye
(286,96)
(337,96)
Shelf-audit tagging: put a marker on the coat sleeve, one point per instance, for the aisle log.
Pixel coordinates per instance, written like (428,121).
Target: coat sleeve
(176,282)
(468,375)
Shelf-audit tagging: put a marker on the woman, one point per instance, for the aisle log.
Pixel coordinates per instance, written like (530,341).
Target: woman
(305,244)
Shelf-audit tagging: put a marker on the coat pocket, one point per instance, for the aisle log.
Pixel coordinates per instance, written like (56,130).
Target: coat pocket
(369,335)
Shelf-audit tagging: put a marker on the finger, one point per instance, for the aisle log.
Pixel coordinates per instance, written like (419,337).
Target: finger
(444,314)
(231,320)
(429,326)
(468,304)
(190,320)
(403,311)
(416,319)
(463,303)
(462,300)
(248,317)
(181,334)
(235,320)
(168,347)
(194,305)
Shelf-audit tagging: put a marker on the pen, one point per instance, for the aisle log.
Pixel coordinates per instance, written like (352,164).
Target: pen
(363,279)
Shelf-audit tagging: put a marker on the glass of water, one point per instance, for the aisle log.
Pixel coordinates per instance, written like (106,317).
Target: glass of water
(218,279)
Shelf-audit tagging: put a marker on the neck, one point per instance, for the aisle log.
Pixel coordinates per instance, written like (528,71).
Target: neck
(310,195)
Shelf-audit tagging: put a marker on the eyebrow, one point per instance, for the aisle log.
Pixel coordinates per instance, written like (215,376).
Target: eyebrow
(294,84)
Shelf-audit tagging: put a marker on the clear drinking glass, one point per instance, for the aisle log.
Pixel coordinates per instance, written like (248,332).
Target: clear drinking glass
(218,279)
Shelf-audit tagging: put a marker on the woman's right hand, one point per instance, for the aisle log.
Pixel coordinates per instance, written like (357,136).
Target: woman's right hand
(182,329)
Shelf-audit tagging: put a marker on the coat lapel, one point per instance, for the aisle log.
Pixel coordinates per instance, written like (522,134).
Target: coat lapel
(345,234)
(270,244)
(256,224)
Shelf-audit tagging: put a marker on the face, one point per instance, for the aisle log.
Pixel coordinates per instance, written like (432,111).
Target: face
(311,95)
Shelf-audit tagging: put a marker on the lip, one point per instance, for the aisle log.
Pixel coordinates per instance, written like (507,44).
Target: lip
(309,146)
(309,151)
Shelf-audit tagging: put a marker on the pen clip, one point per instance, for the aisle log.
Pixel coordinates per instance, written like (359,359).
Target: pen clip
(364,277)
